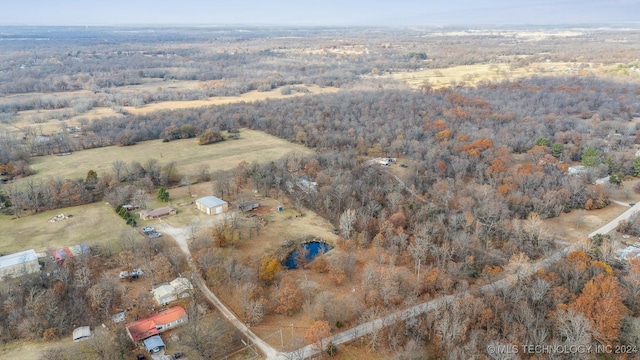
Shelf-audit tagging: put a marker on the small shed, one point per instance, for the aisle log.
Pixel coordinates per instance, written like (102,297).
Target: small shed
(119,317)
(156,213)
(576,170)
(211,205)
(82,333)
(248,205)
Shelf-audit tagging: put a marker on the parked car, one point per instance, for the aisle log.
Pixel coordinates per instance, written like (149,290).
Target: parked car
(124,275)
(178,355)
(136,273)
(404,165)
(154,235)
(148,229)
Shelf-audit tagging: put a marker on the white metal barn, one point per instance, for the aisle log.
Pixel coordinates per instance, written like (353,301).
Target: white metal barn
(18,264)
(211,205)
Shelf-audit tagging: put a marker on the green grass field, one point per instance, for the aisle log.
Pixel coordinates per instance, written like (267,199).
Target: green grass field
(89,224)
(97,223)
(187,154)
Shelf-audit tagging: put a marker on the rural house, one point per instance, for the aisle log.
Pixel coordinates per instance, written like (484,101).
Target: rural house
(163,294)
(156,213)
(176,289)
(211,205)
(18,264)
(157,323)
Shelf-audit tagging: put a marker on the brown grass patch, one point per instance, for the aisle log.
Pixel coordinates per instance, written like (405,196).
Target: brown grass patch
(251,96)
(91,224)
(471,75)
(53,121)
(578,224)
(187,154)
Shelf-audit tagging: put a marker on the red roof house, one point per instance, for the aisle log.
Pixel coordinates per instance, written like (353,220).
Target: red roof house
(157,323)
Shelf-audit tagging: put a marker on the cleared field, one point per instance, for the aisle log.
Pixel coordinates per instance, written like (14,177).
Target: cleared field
(89,224)
(473,74)
(187,155)
(52,121)
(221,100)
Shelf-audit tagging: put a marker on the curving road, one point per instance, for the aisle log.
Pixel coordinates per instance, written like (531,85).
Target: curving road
(180,235)
(372,326)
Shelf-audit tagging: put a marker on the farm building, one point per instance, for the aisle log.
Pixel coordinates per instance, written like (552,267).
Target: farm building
(176,289)
(18,264)
(248,205)
(211,205)
(61,255)
(156,213)
(82,333)
(157,323)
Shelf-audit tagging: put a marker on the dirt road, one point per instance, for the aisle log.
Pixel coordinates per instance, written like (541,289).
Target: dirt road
(181,236)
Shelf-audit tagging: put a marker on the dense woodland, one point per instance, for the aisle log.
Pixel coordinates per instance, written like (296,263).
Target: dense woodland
(486,166)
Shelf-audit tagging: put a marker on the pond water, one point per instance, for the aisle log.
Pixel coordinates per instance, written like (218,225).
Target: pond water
(312,250)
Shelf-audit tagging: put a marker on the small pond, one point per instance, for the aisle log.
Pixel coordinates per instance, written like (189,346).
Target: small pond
(312,250)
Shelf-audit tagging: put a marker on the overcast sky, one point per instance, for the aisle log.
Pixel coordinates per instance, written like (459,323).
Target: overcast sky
(326,12)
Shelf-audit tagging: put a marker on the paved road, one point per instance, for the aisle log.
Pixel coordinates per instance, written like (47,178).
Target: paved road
(611,225)
(370,327)
(181,236)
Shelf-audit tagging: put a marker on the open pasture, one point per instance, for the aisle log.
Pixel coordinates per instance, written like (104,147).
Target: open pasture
(471,75)
(187,155)
(56,120)
(90,224)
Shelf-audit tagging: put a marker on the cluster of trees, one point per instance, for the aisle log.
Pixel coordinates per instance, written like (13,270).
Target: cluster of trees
(124,184)
(579,301)
(126,215)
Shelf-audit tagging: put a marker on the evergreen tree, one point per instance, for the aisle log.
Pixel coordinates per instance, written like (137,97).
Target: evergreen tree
(163,194)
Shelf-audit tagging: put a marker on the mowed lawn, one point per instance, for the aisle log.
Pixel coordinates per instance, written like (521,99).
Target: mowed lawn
(187,155)
(88,224)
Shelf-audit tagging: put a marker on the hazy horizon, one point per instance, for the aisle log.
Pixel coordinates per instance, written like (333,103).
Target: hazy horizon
(328,13)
